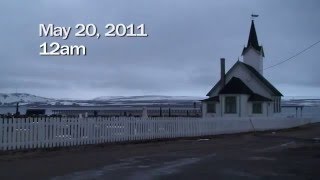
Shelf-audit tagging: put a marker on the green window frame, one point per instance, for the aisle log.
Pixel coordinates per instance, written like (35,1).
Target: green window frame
(257,108)
(230,105)
(211,107)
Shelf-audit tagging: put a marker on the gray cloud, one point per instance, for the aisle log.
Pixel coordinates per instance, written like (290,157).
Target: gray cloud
(180,56)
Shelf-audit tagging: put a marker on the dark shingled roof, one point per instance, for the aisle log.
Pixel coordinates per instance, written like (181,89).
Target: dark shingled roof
(214,98)
(263,80)
(235,86)
(257,97)
(253,41)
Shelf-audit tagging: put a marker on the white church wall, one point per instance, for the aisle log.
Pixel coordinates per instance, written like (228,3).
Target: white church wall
(244,108)
(276,104)
(243,111)
(268,108)
(254,59)
(219,108)
(250,80)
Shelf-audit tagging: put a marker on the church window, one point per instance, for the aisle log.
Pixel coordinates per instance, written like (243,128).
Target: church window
(231,104)
(211,107)
(257,108)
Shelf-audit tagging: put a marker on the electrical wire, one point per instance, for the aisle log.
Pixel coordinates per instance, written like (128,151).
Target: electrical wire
(297,54)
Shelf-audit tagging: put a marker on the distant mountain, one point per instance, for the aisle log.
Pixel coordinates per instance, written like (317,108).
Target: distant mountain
(23,98)
(301,98)
(148,98)
(301,102)
(29,99)
(107,98)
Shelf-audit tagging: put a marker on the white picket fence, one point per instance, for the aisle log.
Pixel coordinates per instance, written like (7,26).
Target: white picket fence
(32,133)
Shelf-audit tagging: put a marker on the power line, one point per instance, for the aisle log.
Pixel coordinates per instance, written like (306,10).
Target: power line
(304,50)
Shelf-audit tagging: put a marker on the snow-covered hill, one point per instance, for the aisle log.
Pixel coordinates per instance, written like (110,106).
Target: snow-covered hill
(23,98)
(29,99)
(147,98)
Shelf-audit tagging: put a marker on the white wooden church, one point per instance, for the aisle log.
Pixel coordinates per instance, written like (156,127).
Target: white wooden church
(243,91)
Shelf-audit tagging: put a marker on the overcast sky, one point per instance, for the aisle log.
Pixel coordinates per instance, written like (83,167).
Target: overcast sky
(180,56)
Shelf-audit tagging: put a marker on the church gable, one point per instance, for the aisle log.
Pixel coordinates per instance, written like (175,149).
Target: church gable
(250,77)
(263,80)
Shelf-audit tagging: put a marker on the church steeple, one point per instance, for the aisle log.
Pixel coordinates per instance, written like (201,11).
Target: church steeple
(253,53)
(253,41)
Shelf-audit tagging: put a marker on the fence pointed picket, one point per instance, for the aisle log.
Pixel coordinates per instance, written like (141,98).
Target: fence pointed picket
(46,132)
(5,135)
(65,132)
(24,133)
(79,132)
(49,138)
(55,121)
(76,131)
(28,132)
(99,141)
(59,132)
(90,131)
(103,126)
(71,131)
(85,127)
(9,133)
(96,130)
(101,130)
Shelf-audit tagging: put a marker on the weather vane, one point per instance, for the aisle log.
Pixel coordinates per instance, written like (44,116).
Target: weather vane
(254,16)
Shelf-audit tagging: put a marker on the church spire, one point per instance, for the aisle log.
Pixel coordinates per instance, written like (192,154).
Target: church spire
(253,39)
(253,53)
